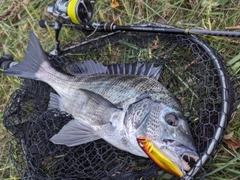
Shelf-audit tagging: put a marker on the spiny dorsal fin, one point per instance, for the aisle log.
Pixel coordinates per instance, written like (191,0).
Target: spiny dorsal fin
(137,68)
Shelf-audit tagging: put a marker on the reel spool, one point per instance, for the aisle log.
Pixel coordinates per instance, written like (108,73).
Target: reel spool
(77,11)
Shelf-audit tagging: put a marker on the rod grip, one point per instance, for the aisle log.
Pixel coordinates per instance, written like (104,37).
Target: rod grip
(215,33)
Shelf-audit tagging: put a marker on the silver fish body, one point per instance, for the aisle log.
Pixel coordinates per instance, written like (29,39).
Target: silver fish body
(117,121)
(115,107)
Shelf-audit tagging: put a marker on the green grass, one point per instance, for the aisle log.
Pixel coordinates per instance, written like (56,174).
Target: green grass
(215,15)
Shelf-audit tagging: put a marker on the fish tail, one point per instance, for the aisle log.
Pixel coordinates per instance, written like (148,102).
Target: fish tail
(33,60)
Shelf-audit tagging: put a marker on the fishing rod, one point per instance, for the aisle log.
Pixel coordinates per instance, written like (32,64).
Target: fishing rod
(79,13)
(110,27)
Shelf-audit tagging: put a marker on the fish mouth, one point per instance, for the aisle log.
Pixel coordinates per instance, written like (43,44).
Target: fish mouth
(173,157)
(181,155)
(188,160)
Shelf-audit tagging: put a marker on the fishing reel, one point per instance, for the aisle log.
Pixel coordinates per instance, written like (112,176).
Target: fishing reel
(77,11)
(71,13)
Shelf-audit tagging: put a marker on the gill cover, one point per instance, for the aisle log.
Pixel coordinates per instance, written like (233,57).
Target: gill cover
(80,11)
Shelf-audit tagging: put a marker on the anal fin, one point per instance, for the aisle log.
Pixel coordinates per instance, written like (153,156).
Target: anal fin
(55,102)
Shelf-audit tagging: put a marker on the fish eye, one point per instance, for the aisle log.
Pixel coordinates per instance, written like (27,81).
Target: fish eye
(171,119)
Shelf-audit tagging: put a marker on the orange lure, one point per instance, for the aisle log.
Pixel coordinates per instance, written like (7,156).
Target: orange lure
(159,157)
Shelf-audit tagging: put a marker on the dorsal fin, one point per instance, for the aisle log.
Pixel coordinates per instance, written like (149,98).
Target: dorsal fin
(86,68)
(137,68)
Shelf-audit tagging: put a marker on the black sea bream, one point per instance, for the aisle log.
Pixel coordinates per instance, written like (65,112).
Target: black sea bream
(117,107)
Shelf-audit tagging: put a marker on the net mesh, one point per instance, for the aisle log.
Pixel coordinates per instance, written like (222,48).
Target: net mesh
(191,70)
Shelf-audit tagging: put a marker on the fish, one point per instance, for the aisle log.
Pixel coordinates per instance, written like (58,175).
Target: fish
(118,103)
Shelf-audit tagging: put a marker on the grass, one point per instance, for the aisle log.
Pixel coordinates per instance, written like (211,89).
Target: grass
(15,22)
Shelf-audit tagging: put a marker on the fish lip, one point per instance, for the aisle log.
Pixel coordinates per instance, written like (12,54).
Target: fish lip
(188,159)
(185,157)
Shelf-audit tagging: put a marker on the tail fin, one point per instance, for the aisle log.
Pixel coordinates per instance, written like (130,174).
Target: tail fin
(32,61)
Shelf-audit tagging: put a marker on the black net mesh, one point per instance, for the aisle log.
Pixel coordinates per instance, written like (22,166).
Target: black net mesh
(191,70)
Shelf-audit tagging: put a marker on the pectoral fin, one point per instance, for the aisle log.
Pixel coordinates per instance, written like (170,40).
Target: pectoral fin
(75,133)
(99,99)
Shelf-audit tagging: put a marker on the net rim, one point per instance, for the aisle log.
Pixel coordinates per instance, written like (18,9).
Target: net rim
(225,106)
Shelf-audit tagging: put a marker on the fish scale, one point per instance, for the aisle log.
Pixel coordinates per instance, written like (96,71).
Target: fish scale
(118,88)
